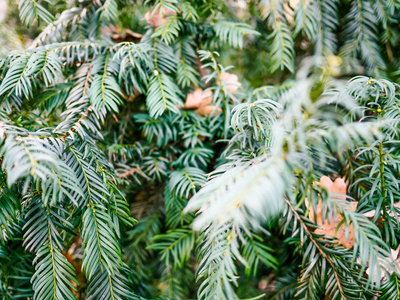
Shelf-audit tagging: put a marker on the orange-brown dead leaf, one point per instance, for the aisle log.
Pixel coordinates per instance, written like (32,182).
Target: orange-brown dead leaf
(200,101)
(329,225)
(207,110)
(198,98)
(159,17)
(119,35)
(231,82)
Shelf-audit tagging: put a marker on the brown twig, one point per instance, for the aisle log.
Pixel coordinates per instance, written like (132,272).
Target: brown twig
(126,174)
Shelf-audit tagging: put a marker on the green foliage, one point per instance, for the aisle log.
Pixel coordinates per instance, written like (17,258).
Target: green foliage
(162,95)
(176,245)
(32,9)
(136,163)
(362,35)
(282,48)
(233,33)
(52,264)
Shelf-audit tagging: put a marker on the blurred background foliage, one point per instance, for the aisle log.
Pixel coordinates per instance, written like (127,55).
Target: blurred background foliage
(300,36)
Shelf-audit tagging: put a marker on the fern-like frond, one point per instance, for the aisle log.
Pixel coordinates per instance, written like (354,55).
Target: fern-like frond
(156,166)
(390,289)
(135,63)
(326,14)
(29,10)
(165,59)
(259,116)
(108,11)
(175,246)
(197,157)
(362,35)
(10,209)
(282,47)
(163,95)
(54,97)
(156,129)
(305,19)
(102,258)
(16,79)
(219,199)
(169,30)
(161,6)
(188,11)
(45,63)
(114,287)
(54,31)
(101,247)
(36,161)
(233,33)
(78,117)
(185,181)
(54,276)
(255,252)
(218,253)
(105,93)
(186,75)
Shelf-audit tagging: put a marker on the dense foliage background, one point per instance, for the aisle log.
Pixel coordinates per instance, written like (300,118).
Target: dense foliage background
(201,149)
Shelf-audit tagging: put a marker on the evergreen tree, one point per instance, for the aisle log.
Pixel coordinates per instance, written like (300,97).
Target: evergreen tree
(136,164)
